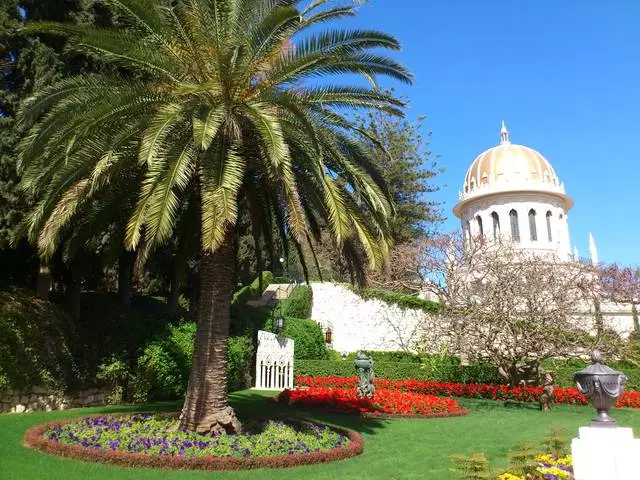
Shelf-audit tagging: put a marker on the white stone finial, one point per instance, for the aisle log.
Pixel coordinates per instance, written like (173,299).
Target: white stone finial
(576,256)
(504,134)
(593,251)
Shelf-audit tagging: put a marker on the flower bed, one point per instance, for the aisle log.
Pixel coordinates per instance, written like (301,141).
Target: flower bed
(469,390)
(549,468)
(384,403)
(148,441)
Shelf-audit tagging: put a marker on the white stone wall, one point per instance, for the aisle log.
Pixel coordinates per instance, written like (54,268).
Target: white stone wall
(522,203)
(359,324)
(39,399)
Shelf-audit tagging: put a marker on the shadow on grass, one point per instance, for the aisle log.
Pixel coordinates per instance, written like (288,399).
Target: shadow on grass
(477,405)
(251,404)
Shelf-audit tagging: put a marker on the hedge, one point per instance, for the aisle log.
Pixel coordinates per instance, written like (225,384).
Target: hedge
(563,371)
(390,356)
(299,303)
(402,300)
(439,372)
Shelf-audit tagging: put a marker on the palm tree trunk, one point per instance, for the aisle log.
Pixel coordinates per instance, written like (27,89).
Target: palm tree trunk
(206,408)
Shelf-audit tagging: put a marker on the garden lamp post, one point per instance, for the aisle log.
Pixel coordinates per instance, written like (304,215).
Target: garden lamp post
(279,324)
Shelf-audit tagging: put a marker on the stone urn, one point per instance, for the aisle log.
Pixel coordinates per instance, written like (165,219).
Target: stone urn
(602,386)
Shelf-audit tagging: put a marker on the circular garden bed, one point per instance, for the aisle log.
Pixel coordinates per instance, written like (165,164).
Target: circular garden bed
(385,403)
(155,441)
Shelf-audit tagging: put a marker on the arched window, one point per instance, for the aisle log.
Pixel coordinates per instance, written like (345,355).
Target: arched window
(496,225)
(533,232)
(549,226)
(515,229)
(480,229)
(468,225)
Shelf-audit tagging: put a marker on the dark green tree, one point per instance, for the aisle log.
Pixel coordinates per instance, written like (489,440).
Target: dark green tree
(217,112)
(409,168)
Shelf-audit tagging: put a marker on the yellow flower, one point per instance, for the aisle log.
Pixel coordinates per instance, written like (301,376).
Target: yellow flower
(510,476)
(566,461)
(558,472)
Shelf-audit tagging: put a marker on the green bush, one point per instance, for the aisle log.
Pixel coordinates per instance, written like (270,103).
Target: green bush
(299,303)
(162,370)
(240,357)
(442,372)
(402,300)
(267,278)
(38,344)
(390,356)
(115,373)
(308,337)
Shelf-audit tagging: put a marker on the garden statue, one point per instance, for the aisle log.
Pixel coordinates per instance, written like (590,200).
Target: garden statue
(547,393)
(364,367)
(603,386)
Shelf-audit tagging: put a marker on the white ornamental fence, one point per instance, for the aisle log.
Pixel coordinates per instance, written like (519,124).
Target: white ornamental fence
(274,362)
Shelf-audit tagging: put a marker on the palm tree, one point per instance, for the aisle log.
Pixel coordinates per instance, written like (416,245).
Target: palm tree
(219,104)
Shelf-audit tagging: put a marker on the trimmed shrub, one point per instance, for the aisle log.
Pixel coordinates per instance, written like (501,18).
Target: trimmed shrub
(308,337)
(402,300)
(440,372)
(299,303)
(267,278)
(398,356)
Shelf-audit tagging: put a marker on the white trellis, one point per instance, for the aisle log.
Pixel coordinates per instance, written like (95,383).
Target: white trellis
(274,362)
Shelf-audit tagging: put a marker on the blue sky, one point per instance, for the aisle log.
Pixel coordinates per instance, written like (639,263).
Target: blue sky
(564,75)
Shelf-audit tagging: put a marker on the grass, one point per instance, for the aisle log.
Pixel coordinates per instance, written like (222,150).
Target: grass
(399,449)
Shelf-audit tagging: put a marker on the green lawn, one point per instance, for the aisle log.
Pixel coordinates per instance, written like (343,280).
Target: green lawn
(394,449)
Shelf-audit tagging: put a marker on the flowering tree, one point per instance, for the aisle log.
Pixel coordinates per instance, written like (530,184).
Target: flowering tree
(622,285)
(513,308)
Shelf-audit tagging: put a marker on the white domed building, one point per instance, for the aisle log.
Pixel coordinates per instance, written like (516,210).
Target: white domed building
(512,191)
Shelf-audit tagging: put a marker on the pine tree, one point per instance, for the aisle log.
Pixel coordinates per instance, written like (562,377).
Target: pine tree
(409,170)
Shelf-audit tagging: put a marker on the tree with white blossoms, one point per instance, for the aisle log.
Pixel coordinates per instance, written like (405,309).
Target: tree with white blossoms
(510,307)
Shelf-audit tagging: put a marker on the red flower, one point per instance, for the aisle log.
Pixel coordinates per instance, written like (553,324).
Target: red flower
(469,390)
(385,401)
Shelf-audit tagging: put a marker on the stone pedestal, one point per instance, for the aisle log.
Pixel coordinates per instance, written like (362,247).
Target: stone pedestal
(606,453)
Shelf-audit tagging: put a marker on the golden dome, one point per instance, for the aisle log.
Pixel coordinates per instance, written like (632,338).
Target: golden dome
(510,164)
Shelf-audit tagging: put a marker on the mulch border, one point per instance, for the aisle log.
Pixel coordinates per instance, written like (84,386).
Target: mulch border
(34,439)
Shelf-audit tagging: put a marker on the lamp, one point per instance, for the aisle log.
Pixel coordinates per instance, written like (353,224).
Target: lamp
(328,336)
(280,323)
